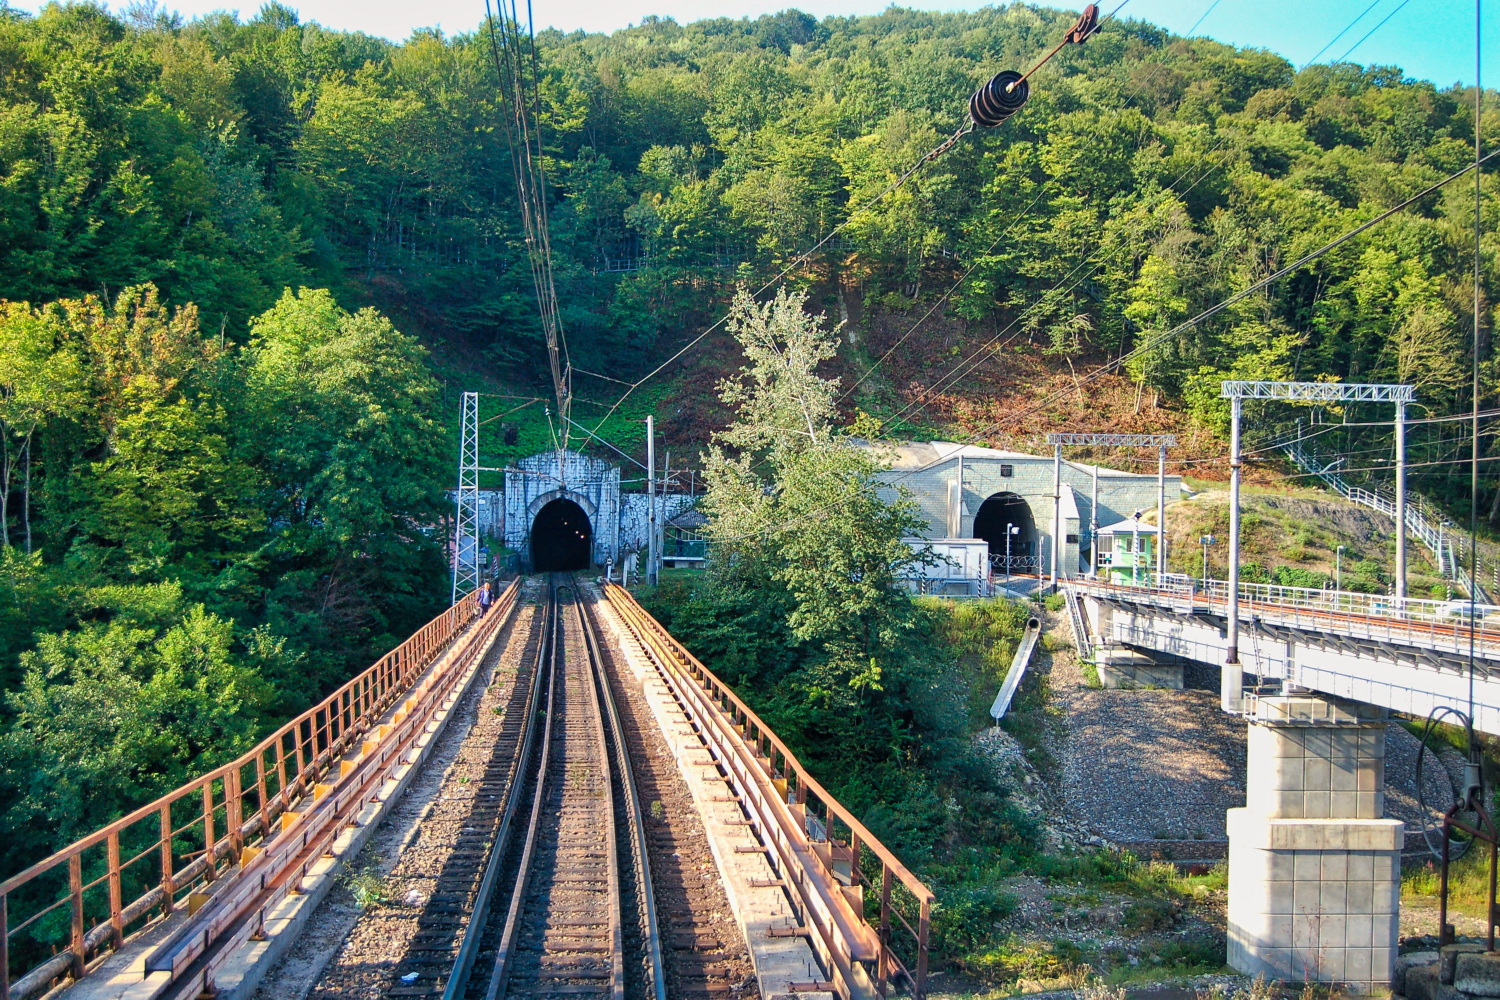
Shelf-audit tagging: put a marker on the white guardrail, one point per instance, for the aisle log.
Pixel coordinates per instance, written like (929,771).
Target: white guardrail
(1423,519)
(1444,625)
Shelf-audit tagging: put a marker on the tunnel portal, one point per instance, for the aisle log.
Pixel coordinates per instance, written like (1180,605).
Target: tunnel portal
(561,538)
(993,521)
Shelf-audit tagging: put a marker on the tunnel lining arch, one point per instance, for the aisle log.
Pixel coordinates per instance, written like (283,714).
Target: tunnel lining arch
(998,510)
(561,538)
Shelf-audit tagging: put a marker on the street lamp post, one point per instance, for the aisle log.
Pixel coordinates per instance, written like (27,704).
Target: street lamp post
(1010,530)
(1135,552)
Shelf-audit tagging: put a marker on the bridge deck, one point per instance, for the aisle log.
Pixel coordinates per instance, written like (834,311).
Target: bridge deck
(275,827)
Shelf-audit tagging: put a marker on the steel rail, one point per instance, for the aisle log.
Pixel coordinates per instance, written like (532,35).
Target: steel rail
(615,776)
(640,858)
(505,951)
(468,949)
(611,775)
(781,798)
(287,768)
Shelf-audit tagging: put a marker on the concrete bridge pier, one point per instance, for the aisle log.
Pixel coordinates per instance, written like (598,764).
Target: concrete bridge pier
(1314,868)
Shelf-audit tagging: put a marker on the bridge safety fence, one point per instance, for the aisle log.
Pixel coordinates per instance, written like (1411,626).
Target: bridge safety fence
(1443,624)
(65,914)
(867,917)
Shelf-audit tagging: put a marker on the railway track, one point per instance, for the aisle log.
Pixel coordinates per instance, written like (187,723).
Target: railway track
(568,870)
(457,894)
(576,828)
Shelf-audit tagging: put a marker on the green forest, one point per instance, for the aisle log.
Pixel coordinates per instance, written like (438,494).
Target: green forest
(244,265)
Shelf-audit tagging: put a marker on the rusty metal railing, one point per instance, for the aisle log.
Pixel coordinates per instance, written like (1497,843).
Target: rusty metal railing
(848,888)
(62,916)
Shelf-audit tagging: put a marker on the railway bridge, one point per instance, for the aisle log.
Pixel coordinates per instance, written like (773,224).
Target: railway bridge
(567,802)
(1314,864)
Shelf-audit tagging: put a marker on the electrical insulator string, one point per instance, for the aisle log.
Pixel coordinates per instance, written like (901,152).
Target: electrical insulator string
(523,136)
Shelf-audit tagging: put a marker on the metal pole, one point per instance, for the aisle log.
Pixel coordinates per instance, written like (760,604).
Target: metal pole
(1057,534)
(1400,501)
(1135,555)
(1338,568)
(1161,512)
(466,500)
(661,522)
(651,501)
(1230,677)
(1094,527)
(1008,533)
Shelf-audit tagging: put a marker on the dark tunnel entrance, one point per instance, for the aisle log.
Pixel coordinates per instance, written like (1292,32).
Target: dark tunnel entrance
(561,538)
(993,522)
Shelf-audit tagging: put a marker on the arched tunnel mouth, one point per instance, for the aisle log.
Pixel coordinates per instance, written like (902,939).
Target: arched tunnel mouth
(992,523)
(561,538)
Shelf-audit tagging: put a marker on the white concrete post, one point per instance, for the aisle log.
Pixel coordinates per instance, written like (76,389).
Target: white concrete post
(955,501)
(651,501)
(1314,865)
(1161,512)
(1400,500)
(1057,533)
(1230,678)
(1094,527)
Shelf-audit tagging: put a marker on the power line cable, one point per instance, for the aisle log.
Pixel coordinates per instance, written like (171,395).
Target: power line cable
(1024,212)
(890,188)
(1372,31)
(973,360)
(1204,315)
(1223,304)
(1334,40)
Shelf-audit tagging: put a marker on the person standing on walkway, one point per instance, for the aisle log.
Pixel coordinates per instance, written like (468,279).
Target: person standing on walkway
(486,598)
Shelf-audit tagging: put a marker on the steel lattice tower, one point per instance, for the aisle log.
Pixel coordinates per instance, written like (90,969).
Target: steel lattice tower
(466,567)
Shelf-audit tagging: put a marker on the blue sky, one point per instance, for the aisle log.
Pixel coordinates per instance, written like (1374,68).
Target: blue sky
(1430,39)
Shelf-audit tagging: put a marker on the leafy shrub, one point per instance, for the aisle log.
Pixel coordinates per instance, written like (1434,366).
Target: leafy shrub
(1147,915)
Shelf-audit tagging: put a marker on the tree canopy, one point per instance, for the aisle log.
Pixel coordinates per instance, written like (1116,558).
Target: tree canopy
(1149,176)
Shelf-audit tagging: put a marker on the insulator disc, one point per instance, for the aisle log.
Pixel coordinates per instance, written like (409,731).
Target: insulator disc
(992,104)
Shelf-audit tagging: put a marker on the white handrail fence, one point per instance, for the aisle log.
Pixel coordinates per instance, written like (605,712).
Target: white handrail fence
(1423,520)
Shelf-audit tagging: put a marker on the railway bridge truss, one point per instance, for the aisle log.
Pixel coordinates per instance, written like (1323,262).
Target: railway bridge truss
(610,802)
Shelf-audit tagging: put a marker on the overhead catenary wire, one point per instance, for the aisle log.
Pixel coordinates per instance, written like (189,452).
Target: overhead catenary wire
(973,360)
(1275,276)
(1372,31)
(1093,27)
(523,138)
(1042,190)
(1199,318)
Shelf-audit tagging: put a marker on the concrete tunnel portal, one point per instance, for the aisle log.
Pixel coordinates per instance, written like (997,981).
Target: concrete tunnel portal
(561,538)
(993,521)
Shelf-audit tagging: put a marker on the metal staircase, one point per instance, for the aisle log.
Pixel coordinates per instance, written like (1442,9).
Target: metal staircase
(1423,520)
(1080,627)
